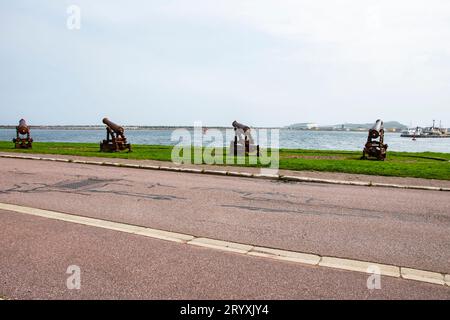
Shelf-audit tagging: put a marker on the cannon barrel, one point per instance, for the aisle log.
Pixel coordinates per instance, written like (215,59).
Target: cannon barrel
(238,125)
(376,129)
(115,127)
(23,127)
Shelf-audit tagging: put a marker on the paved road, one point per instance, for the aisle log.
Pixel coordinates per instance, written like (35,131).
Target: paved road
(36,253)
(401,227)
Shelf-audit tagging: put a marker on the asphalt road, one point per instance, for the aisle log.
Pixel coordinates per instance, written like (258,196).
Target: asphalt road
(394,226)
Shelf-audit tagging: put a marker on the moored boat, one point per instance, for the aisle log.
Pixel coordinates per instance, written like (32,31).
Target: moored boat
(427,132)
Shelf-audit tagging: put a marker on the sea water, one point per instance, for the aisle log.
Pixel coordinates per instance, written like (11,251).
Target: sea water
(292,139)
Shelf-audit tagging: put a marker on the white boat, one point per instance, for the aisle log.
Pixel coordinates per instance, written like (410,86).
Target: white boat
(412,132)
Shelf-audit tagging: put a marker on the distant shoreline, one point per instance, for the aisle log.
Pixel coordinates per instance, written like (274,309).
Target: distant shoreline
(97,127)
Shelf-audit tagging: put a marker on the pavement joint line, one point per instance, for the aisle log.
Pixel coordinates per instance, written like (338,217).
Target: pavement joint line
(233,174)
(241,248)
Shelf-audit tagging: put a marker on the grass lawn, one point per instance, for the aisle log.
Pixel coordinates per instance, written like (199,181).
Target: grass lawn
(428,165)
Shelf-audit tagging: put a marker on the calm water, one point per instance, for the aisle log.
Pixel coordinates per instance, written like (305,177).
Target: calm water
(321,140)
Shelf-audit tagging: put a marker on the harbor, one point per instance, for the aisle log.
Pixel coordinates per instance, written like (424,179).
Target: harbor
(427,132)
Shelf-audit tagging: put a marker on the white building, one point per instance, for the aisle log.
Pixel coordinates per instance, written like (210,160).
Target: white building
(308,126)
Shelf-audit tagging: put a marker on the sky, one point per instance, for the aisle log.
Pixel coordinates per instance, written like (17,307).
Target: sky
(261,62)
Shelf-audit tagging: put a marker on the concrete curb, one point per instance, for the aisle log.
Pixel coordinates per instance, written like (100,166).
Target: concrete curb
(303,258)
(221,245)
(231,173)
(447,279)
(105,224)
(360,266)
(423,276)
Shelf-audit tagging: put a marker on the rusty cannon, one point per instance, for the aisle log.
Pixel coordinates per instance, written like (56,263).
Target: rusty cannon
(243,142)
(375,146)
(23,138)
(115,138)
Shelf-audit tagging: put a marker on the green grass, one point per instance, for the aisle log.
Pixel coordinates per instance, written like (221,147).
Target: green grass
(429,165)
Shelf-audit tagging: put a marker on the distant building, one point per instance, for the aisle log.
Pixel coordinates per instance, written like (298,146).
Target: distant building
(306,125)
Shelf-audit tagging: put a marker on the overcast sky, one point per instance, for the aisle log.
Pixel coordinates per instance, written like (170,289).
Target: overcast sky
(262,62)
